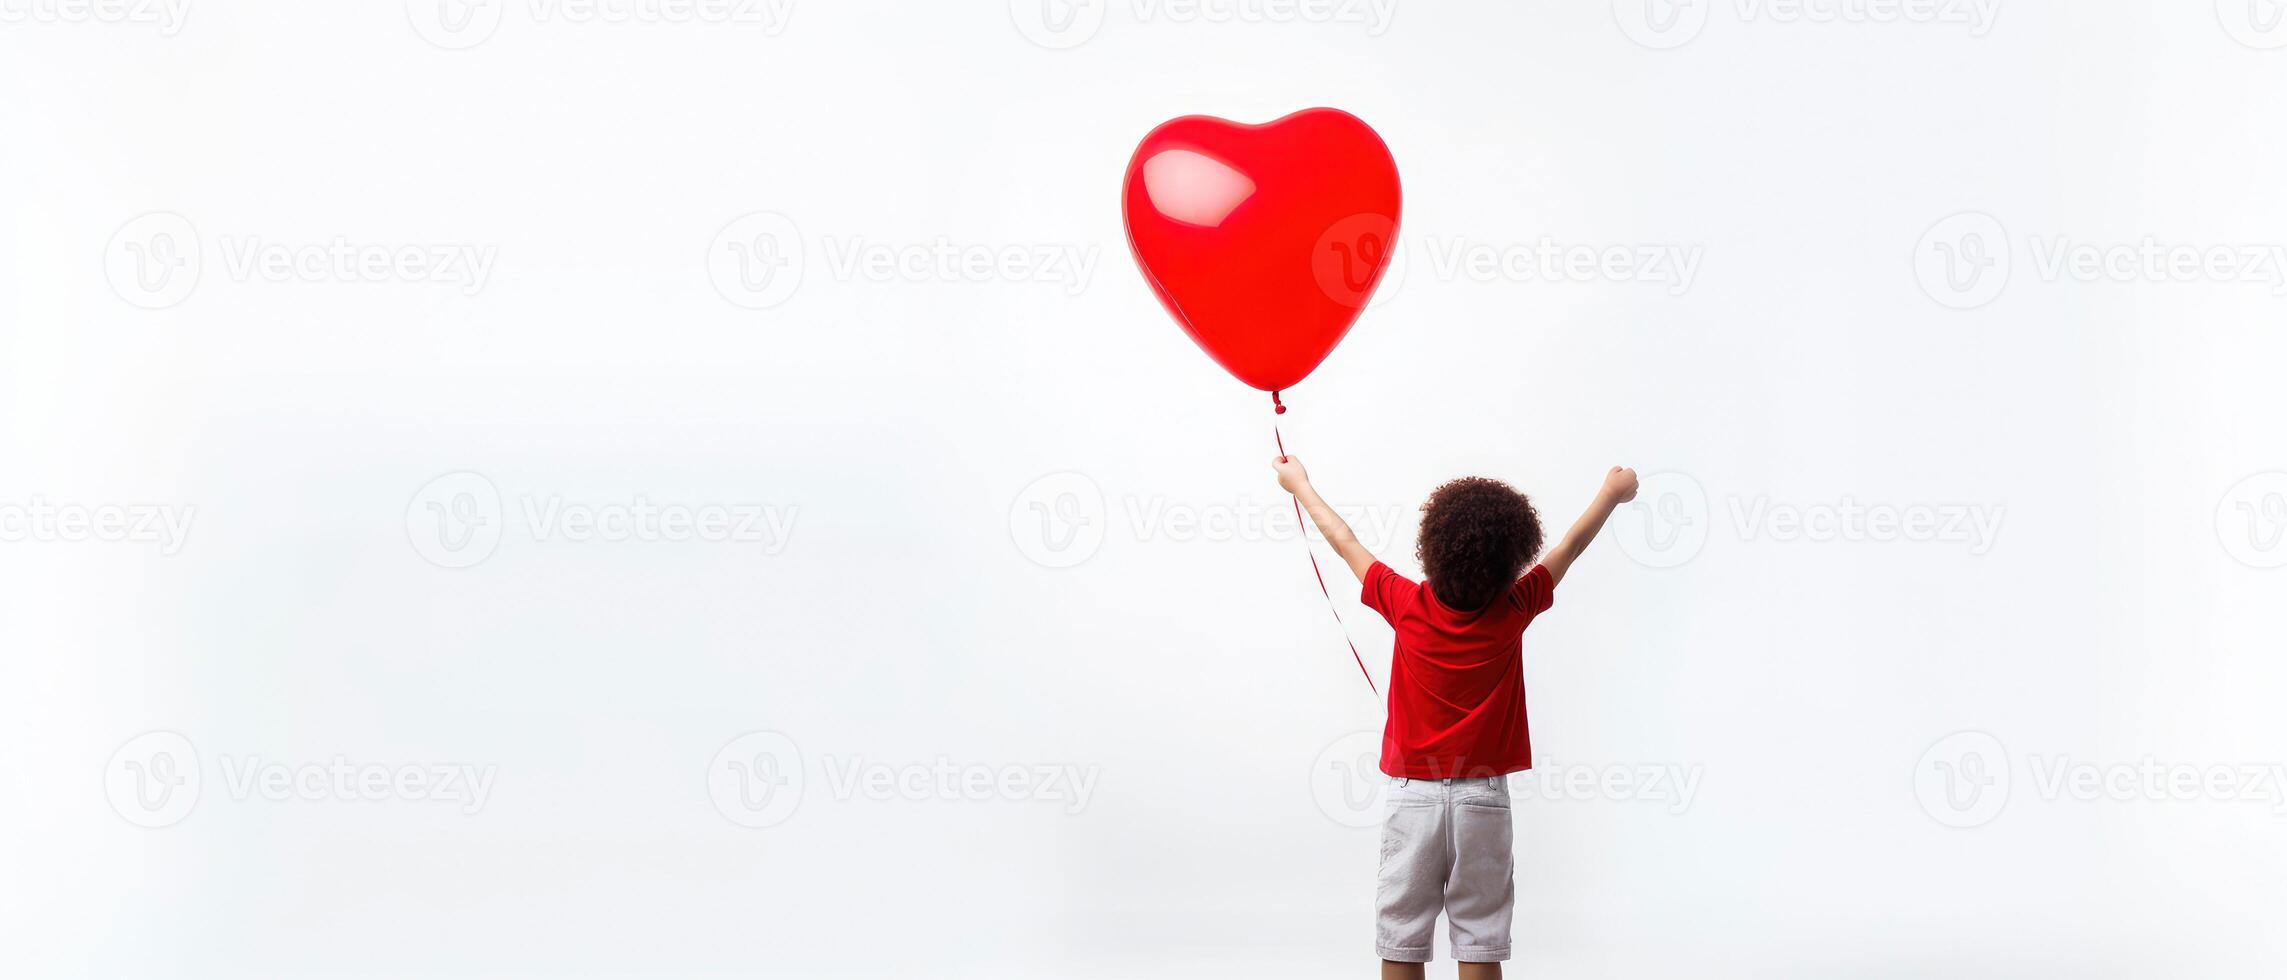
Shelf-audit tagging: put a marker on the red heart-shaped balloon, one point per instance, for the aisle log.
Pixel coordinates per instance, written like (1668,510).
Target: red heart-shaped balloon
(1264,241)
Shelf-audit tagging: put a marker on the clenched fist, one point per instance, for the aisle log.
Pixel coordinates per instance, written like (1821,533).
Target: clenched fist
(1291,476)
(1620,484)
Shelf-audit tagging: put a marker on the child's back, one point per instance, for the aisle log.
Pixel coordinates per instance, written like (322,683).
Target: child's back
(1456,726)
(1457,688)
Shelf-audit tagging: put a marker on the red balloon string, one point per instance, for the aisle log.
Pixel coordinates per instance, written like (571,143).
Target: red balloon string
(1321,576)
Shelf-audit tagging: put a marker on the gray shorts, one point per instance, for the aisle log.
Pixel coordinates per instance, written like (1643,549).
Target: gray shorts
(1446,846)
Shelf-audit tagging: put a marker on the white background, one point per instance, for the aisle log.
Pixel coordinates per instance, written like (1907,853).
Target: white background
(937,605)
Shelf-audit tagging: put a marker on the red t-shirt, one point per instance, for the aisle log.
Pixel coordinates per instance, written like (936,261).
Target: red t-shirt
(1457,680)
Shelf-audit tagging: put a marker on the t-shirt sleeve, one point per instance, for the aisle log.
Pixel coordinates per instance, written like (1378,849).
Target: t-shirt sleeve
(1386,592)
(1535,592)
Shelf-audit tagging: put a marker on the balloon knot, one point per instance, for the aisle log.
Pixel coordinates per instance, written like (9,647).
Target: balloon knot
(1278,407)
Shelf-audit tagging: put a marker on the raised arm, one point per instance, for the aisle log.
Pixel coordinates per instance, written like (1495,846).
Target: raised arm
(1295,480)
(1619,488)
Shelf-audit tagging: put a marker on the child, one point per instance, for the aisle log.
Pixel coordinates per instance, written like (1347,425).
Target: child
(1457,705)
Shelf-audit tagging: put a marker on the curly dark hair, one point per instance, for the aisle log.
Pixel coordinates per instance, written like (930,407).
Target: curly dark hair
(1476,537)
